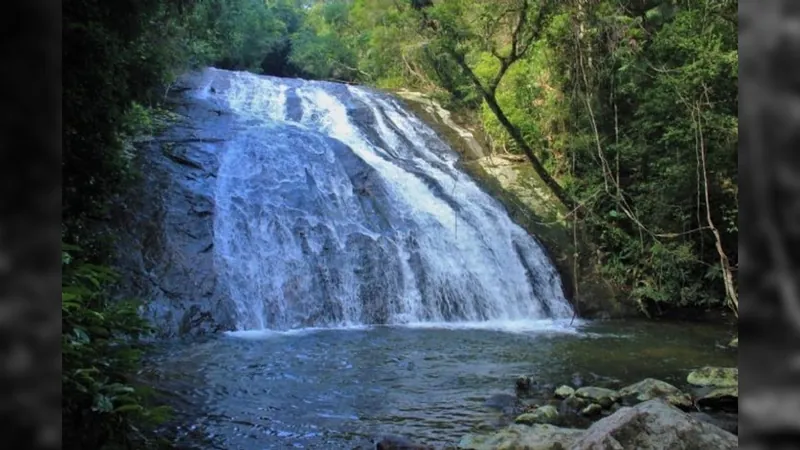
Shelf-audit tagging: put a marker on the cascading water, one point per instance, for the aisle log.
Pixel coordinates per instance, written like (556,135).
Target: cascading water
(336,207)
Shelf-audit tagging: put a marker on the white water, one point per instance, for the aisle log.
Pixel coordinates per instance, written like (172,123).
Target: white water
(338,208)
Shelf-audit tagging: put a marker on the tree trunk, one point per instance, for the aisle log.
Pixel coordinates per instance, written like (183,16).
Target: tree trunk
(514,132)
(727,273)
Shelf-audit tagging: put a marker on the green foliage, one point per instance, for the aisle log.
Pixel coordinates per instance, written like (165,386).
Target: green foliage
(609,92)
(101,407)
(661,78)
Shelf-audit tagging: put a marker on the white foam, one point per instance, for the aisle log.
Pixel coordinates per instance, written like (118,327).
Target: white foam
(260,334)
(509,326)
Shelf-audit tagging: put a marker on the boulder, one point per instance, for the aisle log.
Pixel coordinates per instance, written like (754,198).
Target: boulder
(724,398)
(547,414)
(528,437)
(654,425)
(714,376)
(602,396)
(650,388)
(564,391)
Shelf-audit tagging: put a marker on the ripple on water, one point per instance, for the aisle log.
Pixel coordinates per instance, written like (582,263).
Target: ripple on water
(333,388)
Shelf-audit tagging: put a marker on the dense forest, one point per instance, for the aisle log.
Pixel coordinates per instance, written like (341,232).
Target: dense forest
(627,111)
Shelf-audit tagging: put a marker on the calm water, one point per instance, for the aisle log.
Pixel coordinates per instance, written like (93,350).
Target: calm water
(332,389)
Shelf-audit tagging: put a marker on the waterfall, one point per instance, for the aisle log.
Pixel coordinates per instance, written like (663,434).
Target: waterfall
(335,206)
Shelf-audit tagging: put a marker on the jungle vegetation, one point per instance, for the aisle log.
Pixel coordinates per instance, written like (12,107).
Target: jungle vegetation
(627,110)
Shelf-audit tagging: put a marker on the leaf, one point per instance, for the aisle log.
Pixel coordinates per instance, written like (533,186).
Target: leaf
(81,336)
(130,407)
(102,404)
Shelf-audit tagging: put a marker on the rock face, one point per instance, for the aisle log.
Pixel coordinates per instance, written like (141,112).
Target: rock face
(651,388)
(165,226)
(654,425)
(651,425)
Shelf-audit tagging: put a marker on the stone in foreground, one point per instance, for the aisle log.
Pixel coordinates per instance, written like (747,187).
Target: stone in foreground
(714,376)
(519,437)
(650,388)
(654,425)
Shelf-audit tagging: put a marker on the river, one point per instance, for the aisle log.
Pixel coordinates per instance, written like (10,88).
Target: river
(337,389)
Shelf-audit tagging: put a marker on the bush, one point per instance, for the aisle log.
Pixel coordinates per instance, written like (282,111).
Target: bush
(101,407)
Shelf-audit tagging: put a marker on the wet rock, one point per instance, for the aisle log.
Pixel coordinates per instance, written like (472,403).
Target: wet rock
(165,224)
(714,376)
(399,443)
(592,410)
(547,414)
(575,403)
(650,388)
(523,383)
(528,437)
(602,396)
(654,425)
(724,399)
(199,322)
(564,391)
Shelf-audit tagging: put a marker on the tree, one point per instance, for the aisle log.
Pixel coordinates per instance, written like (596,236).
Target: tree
(458,32)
